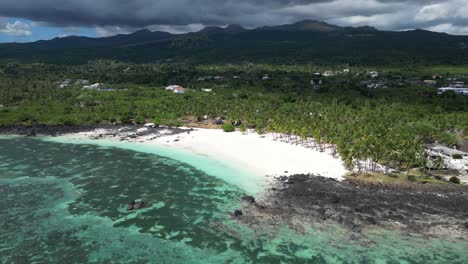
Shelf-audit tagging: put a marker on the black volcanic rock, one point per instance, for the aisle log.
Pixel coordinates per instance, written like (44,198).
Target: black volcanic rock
(237,213)
(311,199)
(248,199)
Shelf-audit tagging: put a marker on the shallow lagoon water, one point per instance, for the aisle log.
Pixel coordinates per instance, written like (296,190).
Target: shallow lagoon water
(224,170)
(66,203)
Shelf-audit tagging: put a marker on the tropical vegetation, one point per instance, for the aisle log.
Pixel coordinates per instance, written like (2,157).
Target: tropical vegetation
(379,126)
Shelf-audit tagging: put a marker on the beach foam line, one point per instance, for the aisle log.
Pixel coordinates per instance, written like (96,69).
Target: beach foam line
(247,160)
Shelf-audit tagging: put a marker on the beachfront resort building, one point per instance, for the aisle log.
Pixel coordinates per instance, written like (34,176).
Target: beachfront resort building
(453,158)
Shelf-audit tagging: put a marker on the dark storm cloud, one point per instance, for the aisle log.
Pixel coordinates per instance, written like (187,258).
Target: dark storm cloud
(139,12)
(130,14)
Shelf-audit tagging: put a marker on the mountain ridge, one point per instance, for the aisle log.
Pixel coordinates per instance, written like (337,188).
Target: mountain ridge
(308,41)
(307,25)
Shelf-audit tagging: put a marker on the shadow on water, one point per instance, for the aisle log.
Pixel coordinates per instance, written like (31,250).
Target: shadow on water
(65,202)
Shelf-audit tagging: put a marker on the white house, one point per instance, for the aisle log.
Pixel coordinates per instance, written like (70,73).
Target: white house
(461,91)
(328,74)
(172,87)
(65,83)
(374,74)
(94,86)
(458,84)
(179,90)
(430,82)
(80,81)
(375,85)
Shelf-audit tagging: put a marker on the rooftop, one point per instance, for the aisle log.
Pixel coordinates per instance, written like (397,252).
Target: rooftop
(447,150)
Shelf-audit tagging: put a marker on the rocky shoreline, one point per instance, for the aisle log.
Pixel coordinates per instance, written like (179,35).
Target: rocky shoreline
(124,132)
(300,200)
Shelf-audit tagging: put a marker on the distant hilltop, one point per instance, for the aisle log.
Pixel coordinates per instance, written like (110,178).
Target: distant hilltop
(307,41)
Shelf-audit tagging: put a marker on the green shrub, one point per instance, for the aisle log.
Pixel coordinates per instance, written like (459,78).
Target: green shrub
(448,139)
(126,119)
(140,120)
(228,127)
(243,129)
(156,121)
(411,178)
(172,123)
(455,180)
(112,119)
(68,121)
(457,156)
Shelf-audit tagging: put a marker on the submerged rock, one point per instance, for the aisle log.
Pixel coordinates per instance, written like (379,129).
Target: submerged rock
(136,204)
(247,200)
(237,213)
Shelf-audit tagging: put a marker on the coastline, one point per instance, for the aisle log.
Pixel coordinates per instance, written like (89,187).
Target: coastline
(260,155)
(258,164)
(256,159)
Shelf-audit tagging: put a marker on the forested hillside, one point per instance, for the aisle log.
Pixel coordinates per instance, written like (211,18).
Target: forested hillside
(303,42)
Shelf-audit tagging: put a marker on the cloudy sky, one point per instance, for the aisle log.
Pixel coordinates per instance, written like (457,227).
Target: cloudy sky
(29,20)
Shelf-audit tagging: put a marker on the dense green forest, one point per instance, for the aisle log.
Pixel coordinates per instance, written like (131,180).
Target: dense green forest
(388,125)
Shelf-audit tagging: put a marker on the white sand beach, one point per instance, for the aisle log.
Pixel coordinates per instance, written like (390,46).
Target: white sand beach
(260,154)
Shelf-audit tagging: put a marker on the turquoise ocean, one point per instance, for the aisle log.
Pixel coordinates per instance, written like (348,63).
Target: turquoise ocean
(64,201)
